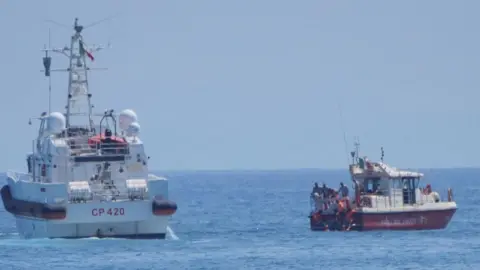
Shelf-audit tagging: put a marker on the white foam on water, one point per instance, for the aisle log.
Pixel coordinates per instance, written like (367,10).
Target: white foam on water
(171,234)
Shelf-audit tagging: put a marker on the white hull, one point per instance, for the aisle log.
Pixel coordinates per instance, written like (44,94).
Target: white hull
(126,219)
(154,228)
(121,219)
(87,178)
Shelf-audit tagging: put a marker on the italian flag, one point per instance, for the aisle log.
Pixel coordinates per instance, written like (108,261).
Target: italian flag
(84,51)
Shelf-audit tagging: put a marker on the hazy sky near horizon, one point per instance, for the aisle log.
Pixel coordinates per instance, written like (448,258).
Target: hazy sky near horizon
(258,84)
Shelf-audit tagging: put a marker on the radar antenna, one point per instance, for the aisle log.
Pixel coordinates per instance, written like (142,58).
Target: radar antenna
(78,87)
(47,61)
(354,153)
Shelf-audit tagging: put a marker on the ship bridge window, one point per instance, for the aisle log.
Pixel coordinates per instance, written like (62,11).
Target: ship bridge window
(372,184)
(397,183)
(409,186)
(410,182)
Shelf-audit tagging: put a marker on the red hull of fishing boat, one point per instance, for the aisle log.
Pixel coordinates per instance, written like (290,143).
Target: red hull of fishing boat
(412,220)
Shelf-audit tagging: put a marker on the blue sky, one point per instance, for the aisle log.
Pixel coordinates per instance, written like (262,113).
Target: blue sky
(258,84)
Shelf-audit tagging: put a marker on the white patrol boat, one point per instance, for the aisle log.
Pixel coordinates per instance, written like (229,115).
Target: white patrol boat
(84,179)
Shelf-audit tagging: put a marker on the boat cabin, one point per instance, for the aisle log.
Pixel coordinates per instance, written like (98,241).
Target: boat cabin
(378,185)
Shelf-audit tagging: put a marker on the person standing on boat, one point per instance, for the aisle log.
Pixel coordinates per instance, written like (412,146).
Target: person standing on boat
(317,196)
(327,192)
(316,189)
(343,190)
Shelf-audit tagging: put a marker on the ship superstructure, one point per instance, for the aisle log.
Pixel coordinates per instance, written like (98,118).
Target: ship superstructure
(87,178)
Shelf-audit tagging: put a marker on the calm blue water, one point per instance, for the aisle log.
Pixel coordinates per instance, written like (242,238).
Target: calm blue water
(258,220)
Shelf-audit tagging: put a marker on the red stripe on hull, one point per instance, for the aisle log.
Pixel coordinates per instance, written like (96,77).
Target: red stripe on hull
(413,220)
(163,207)
(31,209)
(164,212)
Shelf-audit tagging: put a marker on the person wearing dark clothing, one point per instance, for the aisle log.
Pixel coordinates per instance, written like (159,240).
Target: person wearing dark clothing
(325,191)
(316,189)
(343,190)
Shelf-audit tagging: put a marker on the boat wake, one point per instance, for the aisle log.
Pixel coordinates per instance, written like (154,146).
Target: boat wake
(171,234)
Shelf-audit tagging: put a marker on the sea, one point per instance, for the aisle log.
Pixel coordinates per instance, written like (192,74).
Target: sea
(259,220)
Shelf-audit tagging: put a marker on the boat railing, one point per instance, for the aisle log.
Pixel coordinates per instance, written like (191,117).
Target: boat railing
(98,196)
(86,191)
(19,176)
(450,197)
(28,177)
(152,176)
(397,201)
(103,149)
(385,201)
(318,202)
(442,195)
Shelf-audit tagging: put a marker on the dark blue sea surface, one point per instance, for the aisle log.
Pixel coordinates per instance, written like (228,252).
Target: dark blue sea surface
(258,220)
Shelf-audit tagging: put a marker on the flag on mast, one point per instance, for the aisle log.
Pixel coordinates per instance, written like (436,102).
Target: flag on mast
(89,55)
(85,51)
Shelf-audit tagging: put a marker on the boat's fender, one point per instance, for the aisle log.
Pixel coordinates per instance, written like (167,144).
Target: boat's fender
(161,207)
(31,209)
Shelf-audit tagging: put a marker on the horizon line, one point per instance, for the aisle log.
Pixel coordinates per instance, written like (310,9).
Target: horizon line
(297,169)
(287,169)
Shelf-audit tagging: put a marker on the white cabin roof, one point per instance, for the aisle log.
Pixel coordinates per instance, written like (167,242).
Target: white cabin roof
(380,169)
(395,173)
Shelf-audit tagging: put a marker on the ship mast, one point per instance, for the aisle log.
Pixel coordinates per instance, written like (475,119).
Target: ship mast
(354,153)
(78,97)
(78,77)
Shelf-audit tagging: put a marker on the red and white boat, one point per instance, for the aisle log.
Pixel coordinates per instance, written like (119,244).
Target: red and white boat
(384,198)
